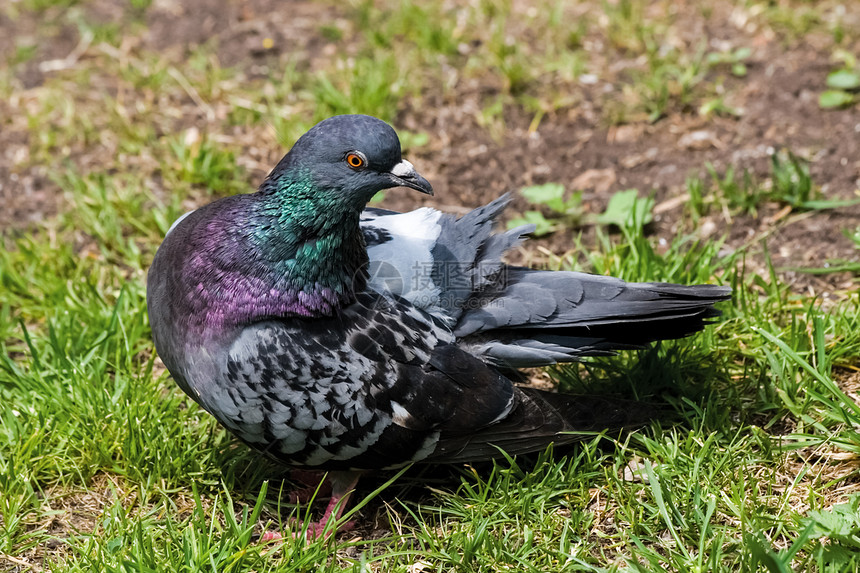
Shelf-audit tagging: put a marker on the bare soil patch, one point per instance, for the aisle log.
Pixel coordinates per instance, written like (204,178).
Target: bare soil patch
(573,146)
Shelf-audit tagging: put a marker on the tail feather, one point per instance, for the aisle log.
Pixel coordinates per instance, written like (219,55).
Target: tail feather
(524,298)
(536,318)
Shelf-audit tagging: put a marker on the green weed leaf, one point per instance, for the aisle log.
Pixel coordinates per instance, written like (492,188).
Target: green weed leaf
(835,98)
(844,80)
(842,522)
(627,211)
(549,194)
(536,218)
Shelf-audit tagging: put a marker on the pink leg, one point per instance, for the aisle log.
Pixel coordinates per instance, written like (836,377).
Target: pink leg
(311,480)
(341,485)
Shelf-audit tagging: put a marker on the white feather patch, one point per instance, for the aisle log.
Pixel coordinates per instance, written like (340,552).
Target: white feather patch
(404,265)
(400,415)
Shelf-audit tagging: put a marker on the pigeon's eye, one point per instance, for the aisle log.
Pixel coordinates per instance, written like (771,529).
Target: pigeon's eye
(355,160)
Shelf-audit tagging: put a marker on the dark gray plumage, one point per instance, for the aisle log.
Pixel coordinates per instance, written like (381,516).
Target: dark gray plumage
(337,339)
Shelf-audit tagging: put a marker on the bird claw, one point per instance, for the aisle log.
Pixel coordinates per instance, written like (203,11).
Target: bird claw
(341,485)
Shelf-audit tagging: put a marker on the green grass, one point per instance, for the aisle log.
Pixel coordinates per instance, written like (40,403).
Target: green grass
(714,489)
(788,185)
(106,466)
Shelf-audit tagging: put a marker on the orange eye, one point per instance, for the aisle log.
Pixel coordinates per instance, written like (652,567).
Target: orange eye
(355,160)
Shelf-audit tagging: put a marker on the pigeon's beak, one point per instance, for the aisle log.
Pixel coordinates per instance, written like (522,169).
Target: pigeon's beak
(404,174)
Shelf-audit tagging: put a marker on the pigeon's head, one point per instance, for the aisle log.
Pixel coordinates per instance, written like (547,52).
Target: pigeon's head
(351,157)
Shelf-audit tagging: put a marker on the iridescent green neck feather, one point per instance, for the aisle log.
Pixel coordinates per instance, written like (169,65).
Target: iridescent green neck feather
(310,236)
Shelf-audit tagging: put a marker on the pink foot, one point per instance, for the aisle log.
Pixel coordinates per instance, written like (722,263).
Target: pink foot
(315,530)
(318,528)
(341,485)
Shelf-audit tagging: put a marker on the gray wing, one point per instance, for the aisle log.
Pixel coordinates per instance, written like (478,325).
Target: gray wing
(517,317)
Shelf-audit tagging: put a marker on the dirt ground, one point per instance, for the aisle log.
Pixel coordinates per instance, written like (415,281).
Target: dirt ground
(575,146)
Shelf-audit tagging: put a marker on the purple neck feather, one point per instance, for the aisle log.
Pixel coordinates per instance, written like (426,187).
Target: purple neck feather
(243,266)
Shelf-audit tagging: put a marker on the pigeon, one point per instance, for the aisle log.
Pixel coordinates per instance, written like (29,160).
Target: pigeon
(336,337)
